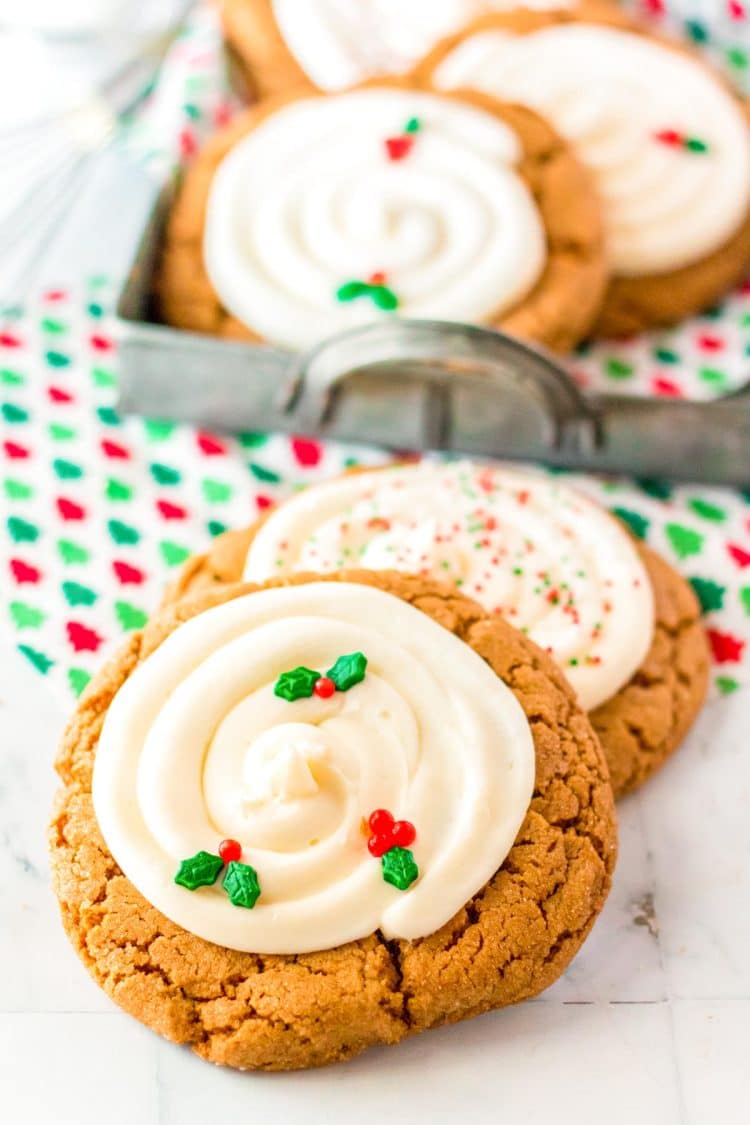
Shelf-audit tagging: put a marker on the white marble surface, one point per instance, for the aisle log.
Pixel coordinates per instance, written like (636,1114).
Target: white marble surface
(650,1024)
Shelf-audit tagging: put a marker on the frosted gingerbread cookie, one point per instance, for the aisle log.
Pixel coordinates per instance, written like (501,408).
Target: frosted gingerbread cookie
(301,819)
(338,43)
(314,213)
(620,622)
(667,141)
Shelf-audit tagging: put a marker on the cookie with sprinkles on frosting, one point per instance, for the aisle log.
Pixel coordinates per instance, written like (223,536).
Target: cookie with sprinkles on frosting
(316,212)
(338,43)
(623,626)
(301,819)
(668,143)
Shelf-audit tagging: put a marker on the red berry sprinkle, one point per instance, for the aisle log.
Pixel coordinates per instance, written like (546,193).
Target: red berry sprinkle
(324,687)
(669,137)
(388,833)
(377,278)
(230,850)
(399,147)
(380,821)
(404,833)
(378,845)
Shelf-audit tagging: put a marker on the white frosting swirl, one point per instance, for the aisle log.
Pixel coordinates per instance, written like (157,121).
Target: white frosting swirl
(525,545)
(339,43)
(196,746)
(309,200)
(611,92)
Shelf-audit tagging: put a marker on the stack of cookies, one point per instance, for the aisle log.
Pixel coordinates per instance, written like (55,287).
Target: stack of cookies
(556,171)
(357,777)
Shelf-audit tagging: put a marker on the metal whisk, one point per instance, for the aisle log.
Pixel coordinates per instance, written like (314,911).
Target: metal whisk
(60,149)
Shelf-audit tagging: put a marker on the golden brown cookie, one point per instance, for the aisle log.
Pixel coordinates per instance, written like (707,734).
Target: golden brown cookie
(555,305)
(640,726)
(254,38)
(337,45)
(281,1012)
(702,221)
(648,718)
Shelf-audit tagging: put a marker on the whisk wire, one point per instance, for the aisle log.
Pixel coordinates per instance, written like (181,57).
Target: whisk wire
(63,147)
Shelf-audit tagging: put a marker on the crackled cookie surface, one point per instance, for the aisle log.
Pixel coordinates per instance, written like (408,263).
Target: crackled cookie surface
(318,213)
(508,939)
(667,141)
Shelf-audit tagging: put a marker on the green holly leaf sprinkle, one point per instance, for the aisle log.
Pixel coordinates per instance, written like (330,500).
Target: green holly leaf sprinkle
(348,671)
(200,870)
(350,290)
(381,295)
(383,298)
(296,684)
(241,884)
(399,868)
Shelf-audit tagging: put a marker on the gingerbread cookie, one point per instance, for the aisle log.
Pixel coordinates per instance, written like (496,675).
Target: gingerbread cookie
(314,213)
(336,43)
(418,824)
(622,624)
(667,141)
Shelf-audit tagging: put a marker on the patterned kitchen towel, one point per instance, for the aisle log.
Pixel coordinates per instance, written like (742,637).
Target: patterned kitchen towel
(96,512)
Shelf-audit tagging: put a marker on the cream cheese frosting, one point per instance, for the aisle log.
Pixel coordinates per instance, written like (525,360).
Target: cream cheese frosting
(667,143)
(310,205)
(339,43)
(196,746)
(554,563)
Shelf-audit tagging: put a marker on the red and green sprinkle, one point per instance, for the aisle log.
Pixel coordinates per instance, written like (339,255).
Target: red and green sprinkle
(399,146)
(203,869)
(374,288)
(674,138)
(302,682)
(389,842)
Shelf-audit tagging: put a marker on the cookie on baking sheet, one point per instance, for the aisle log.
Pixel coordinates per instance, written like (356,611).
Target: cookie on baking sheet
(668,142)
(623,625)
(314,213)
(333,44)
(417,820)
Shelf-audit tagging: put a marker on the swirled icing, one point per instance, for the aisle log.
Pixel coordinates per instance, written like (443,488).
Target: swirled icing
(309,200)
(613,93)
(524,545)
(196,746)
(339,43)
